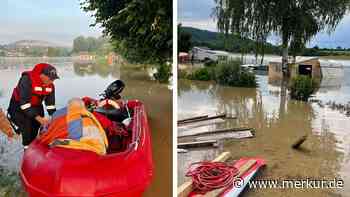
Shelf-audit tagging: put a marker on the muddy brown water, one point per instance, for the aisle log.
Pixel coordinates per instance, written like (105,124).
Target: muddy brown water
(279,122)
(78,81)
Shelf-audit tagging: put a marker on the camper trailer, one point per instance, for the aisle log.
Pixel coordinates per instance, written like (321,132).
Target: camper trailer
(204,54)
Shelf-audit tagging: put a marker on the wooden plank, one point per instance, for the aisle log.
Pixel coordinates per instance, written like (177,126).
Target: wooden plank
(217,131)
(197,144)
(193,118)
(203,119)
(180,150)
(232,135)
(185,189)
(196,125)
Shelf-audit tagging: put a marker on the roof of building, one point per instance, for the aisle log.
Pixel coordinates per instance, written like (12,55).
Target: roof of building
(220,52)
(299,59)
(202,48)
(183,54)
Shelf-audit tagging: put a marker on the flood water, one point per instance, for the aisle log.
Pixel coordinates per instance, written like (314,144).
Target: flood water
(279,122)
(78,81)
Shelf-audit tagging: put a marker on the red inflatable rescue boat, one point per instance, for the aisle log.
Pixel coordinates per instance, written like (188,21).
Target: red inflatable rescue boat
(53,172)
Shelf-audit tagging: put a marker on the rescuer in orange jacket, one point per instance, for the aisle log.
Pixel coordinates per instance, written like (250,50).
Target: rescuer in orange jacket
(25,111)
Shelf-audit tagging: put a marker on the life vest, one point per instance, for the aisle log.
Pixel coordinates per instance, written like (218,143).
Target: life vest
(39,89)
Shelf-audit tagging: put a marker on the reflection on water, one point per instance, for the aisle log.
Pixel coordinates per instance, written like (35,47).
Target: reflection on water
(279,122)
(102,70)
(90,80)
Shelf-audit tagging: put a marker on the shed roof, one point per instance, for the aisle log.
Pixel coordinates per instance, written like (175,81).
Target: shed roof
(299,59)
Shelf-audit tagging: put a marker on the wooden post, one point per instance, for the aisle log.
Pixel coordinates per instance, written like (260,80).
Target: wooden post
(185,189)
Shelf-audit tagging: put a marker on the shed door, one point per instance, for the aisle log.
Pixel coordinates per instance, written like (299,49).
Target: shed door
(305,70)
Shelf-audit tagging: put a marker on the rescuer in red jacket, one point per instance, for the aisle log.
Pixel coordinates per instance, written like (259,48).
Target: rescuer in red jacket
(26,112)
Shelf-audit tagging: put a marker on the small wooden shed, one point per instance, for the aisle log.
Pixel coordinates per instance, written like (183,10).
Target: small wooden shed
(309,66)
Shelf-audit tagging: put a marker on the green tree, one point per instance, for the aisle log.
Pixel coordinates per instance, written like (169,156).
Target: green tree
(57,52)
(92,44)
(80,44)
(141,30)
(184,41)
(295,21)
(52,52)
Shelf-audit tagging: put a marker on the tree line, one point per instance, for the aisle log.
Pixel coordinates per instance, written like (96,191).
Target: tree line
(190,37)
(295,22)
(99,45)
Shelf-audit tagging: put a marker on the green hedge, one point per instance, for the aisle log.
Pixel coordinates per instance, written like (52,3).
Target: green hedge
(163,73)
(201,74)
(225,73)
(302,87)
(232,74)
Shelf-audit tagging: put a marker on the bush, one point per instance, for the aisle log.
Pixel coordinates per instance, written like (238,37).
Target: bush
(163,73)
(302,87)
(201,74)
(182,74)
(210,63)
(231,73)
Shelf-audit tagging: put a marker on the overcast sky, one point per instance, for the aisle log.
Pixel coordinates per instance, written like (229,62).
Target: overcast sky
(197,13)
(56,21)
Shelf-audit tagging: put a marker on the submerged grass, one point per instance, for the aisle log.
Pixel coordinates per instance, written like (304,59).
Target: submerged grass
(10,185)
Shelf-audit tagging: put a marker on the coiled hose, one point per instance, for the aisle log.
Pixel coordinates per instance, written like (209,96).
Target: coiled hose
(208,176)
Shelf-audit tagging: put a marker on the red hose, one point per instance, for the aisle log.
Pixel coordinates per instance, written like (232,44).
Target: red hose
(207,176)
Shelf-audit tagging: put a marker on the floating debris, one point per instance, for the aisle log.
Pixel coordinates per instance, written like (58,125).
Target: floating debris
(299,142)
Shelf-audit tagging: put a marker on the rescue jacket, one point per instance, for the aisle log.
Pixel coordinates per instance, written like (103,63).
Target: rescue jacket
(31,91)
